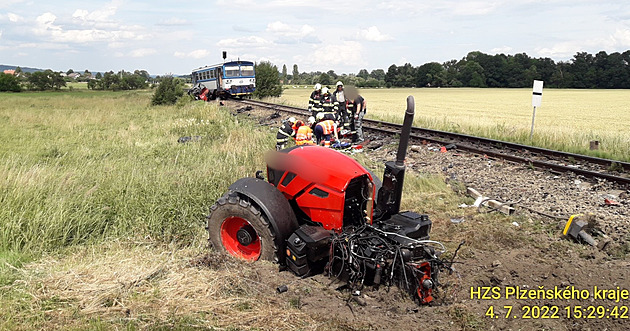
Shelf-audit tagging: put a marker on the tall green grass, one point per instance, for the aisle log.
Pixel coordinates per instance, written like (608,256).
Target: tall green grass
(84,166)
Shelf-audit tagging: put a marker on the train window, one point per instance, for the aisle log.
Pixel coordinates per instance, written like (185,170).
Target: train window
(231,72)
(211,74)
(247,70)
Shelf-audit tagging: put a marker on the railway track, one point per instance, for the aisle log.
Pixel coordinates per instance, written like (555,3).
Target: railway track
(557,161)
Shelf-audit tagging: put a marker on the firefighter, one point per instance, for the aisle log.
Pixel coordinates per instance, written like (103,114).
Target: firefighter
(285,132)
(325,129)
(304,134)
(339,100)
(315,100)
(328,105)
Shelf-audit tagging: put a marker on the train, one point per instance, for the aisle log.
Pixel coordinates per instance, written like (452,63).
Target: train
(233,79)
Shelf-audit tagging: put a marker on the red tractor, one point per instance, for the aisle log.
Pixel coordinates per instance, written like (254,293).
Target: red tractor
(320,210)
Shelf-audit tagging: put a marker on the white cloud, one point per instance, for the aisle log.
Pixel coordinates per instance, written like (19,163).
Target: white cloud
(622,37)
(115,44)
(196,54)
(15,18)
(142,52)
(245,42)
(619,40)
(174,21)
(347,53)
(373,34)
(101,15)
(45,26)
(470,8)
(9,3)
(502,49)
(292,34)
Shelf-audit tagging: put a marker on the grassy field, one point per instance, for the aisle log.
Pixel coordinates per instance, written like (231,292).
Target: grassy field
(567,120)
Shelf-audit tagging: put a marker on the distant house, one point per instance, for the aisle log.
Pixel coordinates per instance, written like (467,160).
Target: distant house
(9,72)
(74,75)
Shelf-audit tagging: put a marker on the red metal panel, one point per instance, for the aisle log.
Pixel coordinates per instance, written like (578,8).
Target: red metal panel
(328,211)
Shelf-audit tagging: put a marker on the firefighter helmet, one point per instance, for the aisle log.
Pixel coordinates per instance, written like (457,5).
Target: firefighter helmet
(320,116)
(292,120)
(318,86)
(311,120)
(339,83)
(324,90)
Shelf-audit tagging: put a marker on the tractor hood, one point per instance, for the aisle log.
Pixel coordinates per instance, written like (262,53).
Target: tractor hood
(320,165)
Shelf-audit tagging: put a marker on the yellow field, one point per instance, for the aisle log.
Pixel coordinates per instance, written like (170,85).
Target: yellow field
(567,119)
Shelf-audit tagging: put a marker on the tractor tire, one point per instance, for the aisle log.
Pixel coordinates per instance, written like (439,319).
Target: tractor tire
(238,228)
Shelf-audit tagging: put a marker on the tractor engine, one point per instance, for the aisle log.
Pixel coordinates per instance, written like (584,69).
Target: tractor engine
(320,210)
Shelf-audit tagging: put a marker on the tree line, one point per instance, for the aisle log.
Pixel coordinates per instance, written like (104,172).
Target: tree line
(54,80)
(476,69)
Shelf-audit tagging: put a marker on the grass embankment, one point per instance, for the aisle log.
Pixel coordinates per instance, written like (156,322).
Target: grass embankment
(567,120)
(89,167)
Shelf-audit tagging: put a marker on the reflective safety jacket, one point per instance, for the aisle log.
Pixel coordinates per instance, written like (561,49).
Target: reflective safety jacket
(304,135)
(328,126)
(315,102)
(328,104)
(284,133)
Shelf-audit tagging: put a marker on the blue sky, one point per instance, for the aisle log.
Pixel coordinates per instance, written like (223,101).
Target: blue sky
(176,36)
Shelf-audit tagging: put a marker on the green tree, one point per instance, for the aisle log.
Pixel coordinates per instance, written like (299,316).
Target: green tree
(267,80)
(9,83)
(56,80)
(168,91)
(325,79)
(40,81)
(284,74)
(363,73)
(378,74)
(296,74)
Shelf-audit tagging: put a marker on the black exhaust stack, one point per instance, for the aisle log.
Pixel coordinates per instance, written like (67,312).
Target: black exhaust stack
(390,194)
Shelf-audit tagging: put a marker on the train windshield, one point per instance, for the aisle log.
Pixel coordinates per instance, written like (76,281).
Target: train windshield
(231,72)
(247,70)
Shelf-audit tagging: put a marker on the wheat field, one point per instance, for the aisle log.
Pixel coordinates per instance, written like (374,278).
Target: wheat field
(567,119)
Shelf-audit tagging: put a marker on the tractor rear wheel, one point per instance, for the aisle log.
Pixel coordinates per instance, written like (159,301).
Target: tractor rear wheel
(237,227)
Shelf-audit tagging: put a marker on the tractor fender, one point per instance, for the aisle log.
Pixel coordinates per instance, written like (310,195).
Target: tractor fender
(272,204)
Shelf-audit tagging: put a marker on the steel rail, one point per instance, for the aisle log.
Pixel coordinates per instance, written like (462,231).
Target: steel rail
(474,145)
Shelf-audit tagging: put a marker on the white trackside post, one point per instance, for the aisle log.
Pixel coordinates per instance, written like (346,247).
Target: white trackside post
(536,101)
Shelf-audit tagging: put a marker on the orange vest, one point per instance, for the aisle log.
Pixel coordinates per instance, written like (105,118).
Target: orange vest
(303,135)
(328,126)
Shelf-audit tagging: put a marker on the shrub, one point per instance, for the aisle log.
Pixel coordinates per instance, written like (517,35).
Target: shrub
(168,91)
(267,80)
(9,83)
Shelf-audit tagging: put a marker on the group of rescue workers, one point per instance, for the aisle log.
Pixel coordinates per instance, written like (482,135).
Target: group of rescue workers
(339,113)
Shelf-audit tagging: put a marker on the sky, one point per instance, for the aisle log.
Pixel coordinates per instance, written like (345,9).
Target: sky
(176,36)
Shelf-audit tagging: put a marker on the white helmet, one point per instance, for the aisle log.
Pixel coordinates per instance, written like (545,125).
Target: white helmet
(324,90)
(339,83)
(320,116)
(311,120)
(292,120)
(318,86)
